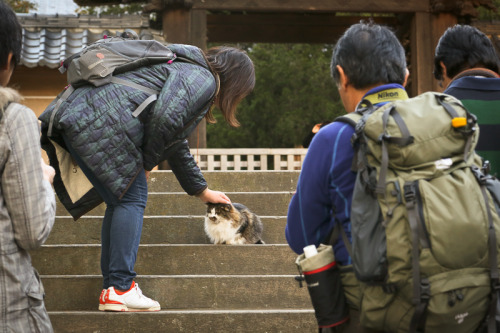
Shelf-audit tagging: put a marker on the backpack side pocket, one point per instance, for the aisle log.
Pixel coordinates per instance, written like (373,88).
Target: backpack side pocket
(368,236)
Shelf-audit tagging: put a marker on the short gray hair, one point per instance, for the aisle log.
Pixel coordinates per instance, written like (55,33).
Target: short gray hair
(369,54)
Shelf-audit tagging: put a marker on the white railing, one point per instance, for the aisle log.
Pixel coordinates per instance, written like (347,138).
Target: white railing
(213,159)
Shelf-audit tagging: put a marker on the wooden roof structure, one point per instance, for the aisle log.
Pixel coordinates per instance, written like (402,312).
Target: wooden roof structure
(418,23)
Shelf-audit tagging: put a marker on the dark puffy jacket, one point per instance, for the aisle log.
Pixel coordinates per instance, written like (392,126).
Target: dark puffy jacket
(117,146)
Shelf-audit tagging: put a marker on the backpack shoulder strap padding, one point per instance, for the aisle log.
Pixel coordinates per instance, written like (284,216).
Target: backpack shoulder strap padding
(350,118)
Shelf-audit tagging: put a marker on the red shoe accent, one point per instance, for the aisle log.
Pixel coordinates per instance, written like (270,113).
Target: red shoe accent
(119,292)
(107,301)
(101,298)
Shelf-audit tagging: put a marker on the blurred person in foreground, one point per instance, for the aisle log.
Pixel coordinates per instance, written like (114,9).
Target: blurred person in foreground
(27,201)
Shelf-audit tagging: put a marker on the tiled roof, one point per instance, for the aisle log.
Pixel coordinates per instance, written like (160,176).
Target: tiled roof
(47,40)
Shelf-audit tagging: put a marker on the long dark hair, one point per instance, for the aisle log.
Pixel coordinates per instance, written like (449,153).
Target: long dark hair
(237,79)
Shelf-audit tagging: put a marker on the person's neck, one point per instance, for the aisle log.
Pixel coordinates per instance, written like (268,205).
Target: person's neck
(356,95)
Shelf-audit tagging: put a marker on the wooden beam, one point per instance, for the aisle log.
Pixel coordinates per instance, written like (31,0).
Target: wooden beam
(371,6)
(440,23)
(282,28)
(421,54)
(425,33)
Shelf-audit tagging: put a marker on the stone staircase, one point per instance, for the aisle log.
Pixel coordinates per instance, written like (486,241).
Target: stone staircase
(201,287)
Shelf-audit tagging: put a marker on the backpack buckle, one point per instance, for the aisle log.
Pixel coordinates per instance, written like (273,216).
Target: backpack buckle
(425,290)
(384,137)
(409,189)
(480,176)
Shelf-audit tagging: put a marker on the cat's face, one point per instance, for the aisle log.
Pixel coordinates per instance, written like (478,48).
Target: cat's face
(219,212)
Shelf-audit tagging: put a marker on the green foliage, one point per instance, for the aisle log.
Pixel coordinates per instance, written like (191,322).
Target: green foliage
(486,14)
(21,6)
(294,90)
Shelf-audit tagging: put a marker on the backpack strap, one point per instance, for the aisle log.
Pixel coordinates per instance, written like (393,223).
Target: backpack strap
(337,232)
(64,96)
(421,287)
(467,129)
(153,94)
(350,118)
(491,185)
(405,139)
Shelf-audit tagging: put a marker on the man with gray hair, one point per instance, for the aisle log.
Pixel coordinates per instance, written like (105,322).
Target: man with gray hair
(368,63)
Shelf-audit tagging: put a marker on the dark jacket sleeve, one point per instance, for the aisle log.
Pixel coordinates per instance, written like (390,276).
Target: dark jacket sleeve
(185,168)
(182,103)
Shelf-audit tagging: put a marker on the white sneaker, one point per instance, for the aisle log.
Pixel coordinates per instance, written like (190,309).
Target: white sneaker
(102,301)
(131,300)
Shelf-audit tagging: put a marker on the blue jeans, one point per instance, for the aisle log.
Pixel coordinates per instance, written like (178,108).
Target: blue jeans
(121,227)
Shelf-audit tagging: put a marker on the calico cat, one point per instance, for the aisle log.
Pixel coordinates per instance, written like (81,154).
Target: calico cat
(232,224)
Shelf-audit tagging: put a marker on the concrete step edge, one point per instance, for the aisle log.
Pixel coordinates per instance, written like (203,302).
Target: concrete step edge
(180,276)
(193,311)
(226,192)
(166,245)
(165,216)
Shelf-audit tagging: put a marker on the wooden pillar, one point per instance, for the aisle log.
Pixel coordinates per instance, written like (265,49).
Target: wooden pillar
(421,53)
(440,23)
(425,33)
(188,26)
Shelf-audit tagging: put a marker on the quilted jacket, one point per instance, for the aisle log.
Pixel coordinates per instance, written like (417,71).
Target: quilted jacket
(117,146)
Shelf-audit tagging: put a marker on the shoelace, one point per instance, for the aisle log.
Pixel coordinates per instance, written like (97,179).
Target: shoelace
(139,291)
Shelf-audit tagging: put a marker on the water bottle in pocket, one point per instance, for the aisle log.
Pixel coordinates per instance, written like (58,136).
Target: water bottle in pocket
(322,276)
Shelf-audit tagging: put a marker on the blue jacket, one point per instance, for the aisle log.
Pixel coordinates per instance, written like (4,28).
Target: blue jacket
(325,187)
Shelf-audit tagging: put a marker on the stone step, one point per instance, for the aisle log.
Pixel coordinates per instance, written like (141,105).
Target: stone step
(184,292)
(179,203)
(163,259)
(231,181)
(201,287)
(156,230)
(175,321)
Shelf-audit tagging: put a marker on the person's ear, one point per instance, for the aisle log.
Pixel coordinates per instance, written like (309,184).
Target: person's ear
(8,63)
(445,75)
(344,81)
(407,75)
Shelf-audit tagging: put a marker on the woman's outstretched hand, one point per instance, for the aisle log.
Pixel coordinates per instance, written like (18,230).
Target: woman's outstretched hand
(214,197)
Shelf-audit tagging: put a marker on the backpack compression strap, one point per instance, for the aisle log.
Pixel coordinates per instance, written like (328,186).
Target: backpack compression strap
(493,186)
(421,287)
(60,100)
(153,94)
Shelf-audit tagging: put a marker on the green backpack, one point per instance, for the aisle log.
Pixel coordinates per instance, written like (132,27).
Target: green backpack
(425,222)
